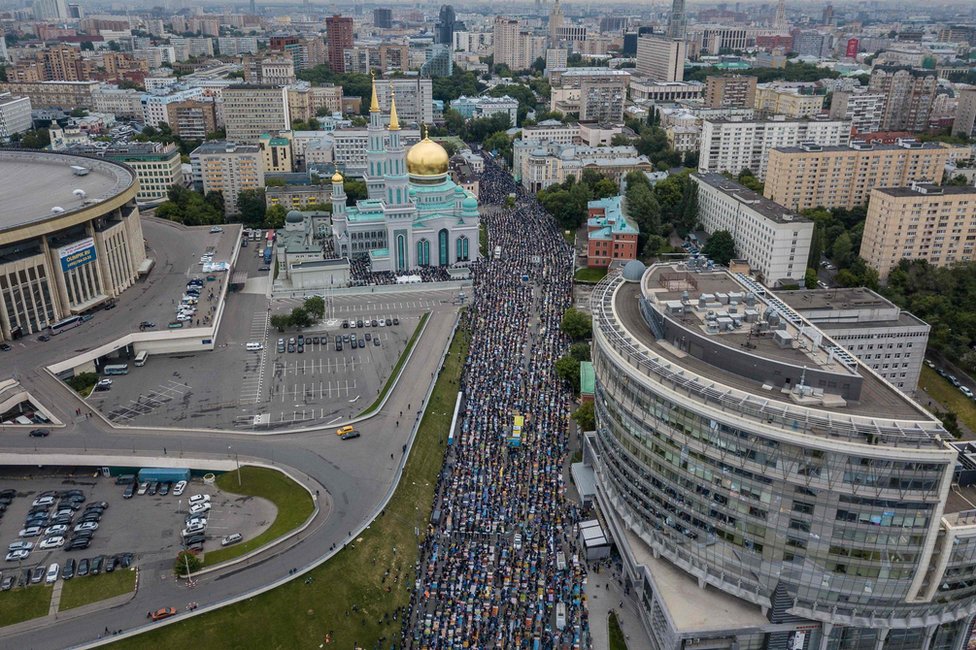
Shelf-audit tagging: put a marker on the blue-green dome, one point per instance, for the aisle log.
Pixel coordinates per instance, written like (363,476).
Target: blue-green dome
(459,190)
(469,203)
(294,216)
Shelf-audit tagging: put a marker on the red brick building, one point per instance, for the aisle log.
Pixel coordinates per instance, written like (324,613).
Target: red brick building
(610,234)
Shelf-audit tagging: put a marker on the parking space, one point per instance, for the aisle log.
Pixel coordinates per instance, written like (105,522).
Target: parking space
(148,527)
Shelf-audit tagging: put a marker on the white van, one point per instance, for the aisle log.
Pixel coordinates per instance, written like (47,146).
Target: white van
(254,346)
(141,359)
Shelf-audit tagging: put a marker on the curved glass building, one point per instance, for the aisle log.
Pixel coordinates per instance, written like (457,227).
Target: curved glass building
(765,489)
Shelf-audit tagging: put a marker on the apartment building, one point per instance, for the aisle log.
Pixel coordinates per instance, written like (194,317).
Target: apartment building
(349,148)
(414,99)
(486,106)
(965,121)
(596,94)
(228,168)
(921,221)
(121,102)
(250,111)
(269,70)
(790,102)
(808,176)
(276,152)
(192,119)
(154,105)
(772,238)
(731,145)
(545,163)
(237,45)
(909,94)
(660,58)
(15,114)
(55,94)
(730,91)
(864,110)
(306,101)
(158,166)
(888,340)
(340,39)
(514,46)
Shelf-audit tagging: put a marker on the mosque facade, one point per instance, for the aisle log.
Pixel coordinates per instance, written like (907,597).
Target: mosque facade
(414,214)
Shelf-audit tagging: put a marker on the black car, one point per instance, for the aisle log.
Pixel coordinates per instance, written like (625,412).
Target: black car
(68,572)
(64,494)
(367,336)
(376,342)
(125,560)
(24,577)
(338,347)
(83,534)
(153,486)
(130,489)
(301,349)
(78,545)
(43,338)
(110,564)
(351,435)
(83,567)
(315,340)
(301,339)
(125,479)
(97,504)
(291,347)
(8,493)
(359,323)
(396,321)
(5,347)
(96,565)
(373,323)
(199,538)
(40,433)
(164,489)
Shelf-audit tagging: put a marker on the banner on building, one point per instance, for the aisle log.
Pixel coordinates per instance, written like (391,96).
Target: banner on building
(77,254)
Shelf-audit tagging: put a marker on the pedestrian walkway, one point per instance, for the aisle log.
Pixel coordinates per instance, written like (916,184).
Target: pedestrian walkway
(55,598)
(603,593)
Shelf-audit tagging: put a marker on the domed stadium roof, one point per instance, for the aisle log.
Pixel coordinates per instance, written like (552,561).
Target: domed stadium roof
(634,271)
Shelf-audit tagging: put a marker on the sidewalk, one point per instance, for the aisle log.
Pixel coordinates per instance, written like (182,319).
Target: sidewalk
(600,600)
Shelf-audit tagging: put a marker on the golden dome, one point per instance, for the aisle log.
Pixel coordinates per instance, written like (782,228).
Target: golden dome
(337,177)
(427,158)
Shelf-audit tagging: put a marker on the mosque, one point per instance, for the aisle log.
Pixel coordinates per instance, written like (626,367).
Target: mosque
(414,214)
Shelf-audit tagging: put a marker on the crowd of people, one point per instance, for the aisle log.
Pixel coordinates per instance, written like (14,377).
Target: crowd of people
(363,276)
(499,566)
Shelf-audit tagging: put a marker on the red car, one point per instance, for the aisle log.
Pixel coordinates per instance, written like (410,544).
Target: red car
(160,614)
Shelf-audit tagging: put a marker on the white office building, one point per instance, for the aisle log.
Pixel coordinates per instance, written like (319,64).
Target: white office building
(154,105)
(15,114)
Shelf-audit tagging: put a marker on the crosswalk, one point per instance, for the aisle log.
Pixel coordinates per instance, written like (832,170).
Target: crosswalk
(386,309)
(254,366)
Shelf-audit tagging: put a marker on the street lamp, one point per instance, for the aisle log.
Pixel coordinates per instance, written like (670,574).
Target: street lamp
(238,460)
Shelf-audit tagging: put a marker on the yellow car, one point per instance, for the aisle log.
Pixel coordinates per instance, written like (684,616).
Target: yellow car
(341,431)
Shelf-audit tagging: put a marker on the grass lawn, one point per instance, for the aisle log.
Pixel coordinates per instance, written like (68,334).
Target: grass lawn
(24,604)
(396,369)
(89,589)
(570,237)
(940,389)
(617,641)
(363,575)
(590,275)
(294,506)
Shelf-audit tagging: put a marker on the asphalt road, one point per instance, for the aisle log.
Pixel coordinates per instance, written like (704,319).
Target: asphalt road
(355,475)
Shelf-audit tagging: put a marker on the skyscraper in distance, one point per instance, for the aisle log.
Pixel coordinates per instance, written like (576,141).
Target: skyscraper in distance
(678,22)
(339,30)
(447,24)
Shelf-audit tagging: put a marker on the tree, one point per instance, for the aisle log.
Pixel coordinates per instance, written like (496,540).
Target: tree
(576,324)
(251,206)
(585,417)
(656,244)
(355,190)
(841,251)
(499,142)
(280,322)
(300,318)
(810,279)
(643,208)
(215,198)
(185,560)
(274,217)
(315,306)
(580,351)
(568,369)
(720,247)
(35,139)
(748,179)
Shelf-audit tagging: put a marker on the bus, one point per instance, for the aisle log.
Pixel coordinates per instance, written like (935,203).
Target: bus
(498,252)
(560,615)
(65,324)
(116,369)
(141,359)
(515,440)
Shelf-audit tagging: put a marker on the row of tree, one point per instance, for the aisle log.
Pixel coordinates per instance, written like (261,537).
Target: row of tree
(311,311)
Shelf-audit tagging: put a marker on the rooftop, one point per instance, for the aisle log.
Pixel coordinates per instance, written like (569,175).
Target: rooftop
(753,200)
(33,183)
(925,189)
(222,146)
(860,146)
(842,298)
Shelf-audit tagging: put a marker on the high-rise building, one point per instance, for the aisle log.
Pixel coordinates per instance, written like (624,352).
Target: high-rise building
(254,7)
(4,56)
(154,104)
(595,93)
(192,119)
(808,176)
(414,99)
(909,94)
(50,10)
(227,168)
(157,166)
(780,21)
(774,100)
(515,47)
(383,18)
(660,58)
(774,240)
(447,24)
(733,145)
(555,23)
(60,94)
(965,121)
(339,30)
(922,221)
(764,487)
(15,114)
(678,21)
(864,110)
(251,111)
(730,91)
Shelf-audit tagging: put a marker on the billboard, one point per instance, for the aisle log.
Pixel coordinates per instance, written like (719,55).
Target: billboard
(852,47)
(77,254)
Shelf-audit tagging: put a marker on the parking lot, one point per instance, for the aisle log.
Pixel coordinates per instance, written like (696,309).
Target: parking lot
(148,527)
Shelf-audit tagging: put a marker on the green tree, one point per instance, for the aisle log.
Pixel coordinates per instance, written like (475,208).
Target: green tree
(580,351)
(499,142)
(185,560)
(252,206)
(655,245)
(644,209)
(215,199)
(35,139)
(585,417)
(576,324)
(274,217)
(842,250)
(355,190)
(747,178)
(720,247)
(568,370)
(300,318)
(810,279)
(280,322)
(315,306)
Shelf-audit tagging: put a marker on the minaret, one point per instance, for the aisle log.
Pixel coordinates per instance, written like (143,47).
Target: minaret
(780,21)
(375,150)
(396,181)
(339,226)
(678,22)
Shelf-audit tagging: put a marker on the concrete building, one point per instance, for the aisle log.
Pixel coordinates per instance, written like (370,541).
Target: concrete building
(382,18)
(773,239)
(546,163)
(730,91)
(227,168)
(157,166)
(55,94)
(611,235)
(269,70)
(350,147)
(297,197)
(965,121)
(661,92)
(808,176)
(890,341)
(923,221)
(864,110)
(251,111)
(595,94)
(154,105)
(414,99)
(771,100)
(237,45)
(660,58)
(15,114)
(340,39)
(731,145)
(276,154)
(486,106)
(120,102)
(193,119)
(515,47)
(908,92)
(749,468)
(64,252)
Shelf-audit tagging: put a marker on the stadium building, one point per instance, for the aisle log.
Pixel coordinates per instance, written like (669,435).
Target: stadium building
(70,237)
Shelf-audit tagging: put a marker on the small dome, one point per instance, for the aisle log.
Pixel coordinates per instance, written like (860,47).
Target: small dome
(469,203)
(634,271)
(294,216)
(427,158)
(337,177)
(459,190)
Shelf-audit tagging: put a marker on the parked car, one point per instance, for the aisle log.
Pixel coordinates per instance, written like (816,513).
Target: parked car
(130,489)
(164,489)
(198,498)
(56,541)
(199,508)
(43,501)
(30,531)
(193,529)
(233,538)
(57,529)
(14,556)
(179,488)
(7,584)
(52,573)
(21,545)
(37,574)
(87,525)
(142,488)
(96,565)
(68,572)
(83,567)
